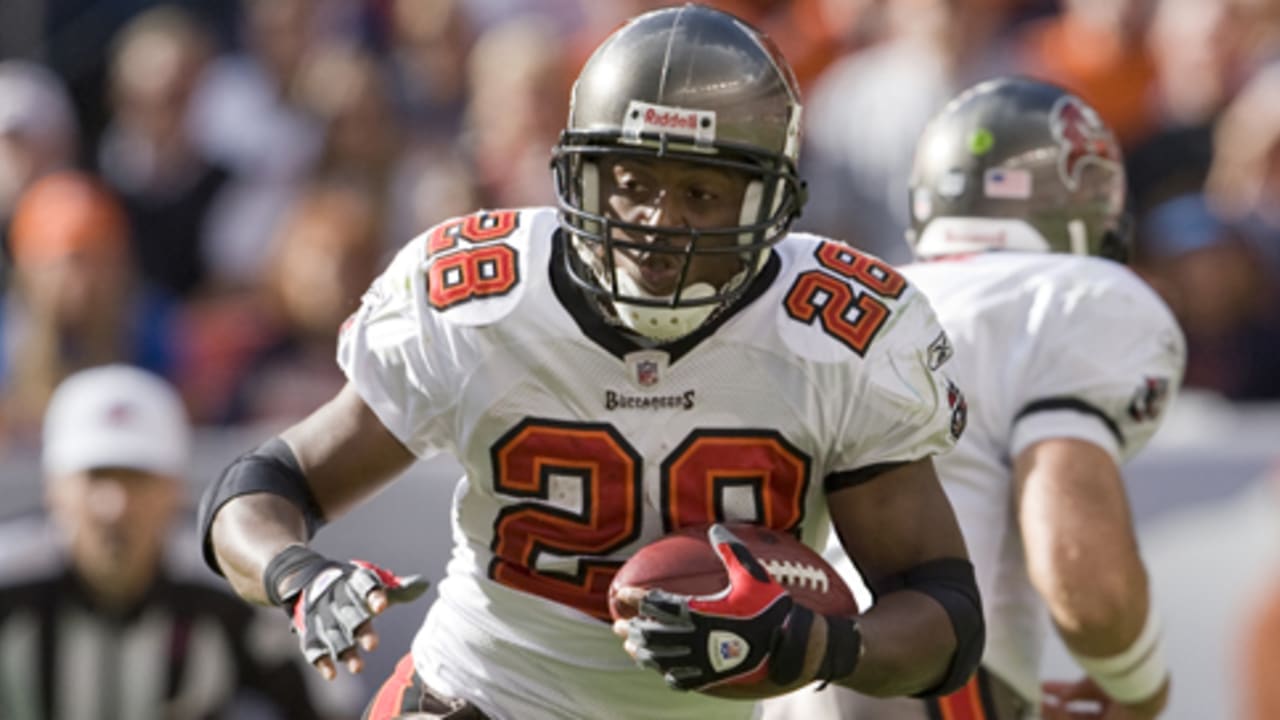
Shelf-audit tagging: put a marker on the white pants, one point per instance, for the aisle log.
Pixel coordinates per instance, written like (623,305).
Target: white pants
(985,697)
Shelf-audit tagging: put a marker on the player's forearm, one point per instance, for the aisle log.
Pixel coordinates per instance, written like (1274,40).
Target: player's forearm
(1097,597)
(908,644)
(1111,630)
(247,532)
(926,632)
(1082,555)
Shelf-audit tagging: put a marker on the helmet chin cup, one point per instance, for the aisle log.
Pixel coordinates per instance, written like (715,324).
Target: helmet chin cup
(656,320)
(662,323)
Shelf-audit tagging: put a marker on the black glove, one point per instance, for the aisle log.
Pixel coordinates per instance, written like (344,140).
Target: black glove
(749,632)
(327,600)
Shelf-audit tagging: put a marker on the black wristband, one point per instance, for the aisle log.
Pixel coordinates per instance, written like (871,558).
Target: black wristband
(786,661)
(844,648)
(290,571)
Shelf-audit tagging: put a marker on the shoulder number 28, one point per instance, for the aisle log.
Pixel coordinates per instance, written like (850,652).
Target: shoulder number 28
(847,315)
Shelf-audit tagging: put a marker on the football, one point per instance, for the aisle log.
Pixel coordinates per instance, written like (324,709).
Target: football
(684,562)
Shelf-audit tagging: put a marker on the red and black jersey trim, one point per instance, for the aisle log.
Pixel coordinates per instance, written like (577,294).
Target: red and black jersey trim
(405,695)
(400,694)
(863,475)
(971,702)
(1075,404)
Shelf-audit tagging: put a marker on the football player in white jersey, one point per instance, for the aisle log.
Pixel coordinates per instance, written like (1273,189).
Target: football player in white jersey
(1070,362)
(657,353)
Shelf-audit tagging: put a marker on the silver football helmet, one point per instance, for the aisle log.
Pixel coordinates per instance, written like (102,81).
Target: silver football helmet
(687,83)
(1017,164)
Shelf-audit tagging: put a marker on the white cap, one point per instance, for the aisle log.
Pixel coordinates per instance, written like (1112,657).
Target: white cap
(116,416)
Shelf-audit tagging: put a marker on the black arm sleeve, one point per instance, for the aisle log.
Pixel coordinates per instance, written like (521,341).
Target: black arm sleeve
(271,468)
(949,581)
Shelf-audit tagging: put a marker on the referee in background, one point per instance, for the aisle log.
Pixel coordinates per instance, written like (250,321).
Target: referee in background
(100,627)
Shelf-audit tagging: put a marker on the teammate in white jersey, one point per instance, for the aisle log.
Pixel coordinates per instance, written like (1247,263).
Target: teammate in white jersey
(658,353)
(1070,361)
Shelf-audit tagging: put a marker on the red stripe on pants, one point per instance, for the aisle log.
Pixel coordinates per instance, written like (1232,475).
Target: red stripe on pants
(963,704)
(389,702)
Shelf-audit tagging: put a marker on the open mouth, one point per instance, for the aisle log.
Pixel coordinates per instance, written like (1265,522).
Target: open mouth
(654,264)
(655,273)
(659,276)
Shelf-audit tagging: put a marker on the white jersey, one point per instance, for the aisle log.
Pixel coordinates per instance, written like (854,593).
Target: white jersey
(1045,346)
(581,447)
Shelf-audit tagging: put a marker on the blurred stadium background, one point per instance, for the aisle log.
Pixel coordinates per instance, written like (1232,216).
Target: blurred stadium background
(269,155)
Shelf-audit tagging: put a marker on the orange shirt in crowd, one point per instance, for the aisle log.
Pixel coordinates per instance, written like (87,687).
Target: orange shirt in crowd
(1116,76)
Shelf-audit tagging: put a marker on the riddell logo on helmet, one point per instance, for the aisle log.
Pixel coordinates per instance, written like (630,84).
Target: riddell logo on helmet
(683,120)
(648,119)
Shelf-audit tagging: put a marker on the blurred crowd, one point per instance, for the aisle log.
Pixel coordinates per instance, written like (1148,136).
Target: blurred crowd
(205,188)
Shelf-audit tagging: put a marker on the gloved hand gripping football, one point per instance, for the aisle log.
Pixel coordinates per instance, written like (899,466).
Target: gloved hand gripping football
(327,600)
(749,632)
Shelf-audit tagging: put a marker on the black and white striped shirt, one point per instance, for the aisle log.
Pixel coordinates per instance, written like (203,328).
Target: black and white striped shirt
(186,651)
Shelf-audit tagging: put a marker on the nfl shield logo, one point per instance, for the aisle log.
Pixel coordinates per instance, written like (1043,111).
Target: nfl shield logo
(646,372)
(646,367)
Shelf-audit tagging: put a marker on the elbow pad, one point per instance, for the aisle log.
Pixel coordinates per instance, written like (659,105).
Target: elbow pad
(270,468)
